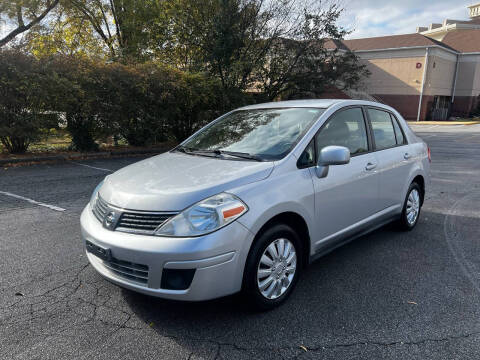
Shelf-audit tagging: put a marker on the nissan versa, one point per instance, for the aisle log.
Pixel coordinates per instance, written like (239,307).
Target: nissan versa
(249,200)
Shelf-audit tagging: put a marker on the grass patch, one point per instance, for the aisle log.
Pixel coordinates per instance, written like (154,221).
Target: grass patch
(57,141)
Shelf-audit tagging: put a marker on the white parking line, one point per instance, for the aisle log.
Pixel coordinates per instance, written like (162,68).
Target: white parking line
(92,167)
(52,207)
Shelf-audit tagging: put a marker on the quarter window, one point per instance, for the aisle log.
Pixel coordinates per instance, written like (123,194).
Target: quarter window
(345,128)
(382,127)
(307,158)
(398,131)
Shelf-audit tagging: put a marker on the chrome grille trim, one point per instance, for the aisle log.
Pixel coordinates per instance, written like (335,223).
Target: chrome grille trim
(100,209)
(128,270)
(142,222)
(131,221)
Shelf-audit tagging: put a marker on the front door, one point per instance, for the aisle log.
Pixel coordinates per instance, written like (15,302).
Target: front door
(348,194)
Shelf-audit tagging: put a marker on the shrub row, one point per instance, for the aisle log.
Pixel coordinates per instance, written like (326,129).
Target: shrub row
(144,104)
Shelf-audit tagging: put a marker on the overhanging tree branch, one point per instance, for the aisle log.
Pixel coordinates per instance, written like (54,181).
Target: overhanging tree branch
(22,27)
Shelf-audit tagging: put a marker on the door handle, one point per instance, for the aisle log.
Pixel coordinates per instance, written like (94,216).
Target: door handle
(370,166)
(407,156)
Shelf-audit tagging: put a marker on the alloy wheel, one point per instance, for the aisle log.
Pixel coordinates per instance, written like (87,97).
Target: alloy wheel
(276,268)
(413,207)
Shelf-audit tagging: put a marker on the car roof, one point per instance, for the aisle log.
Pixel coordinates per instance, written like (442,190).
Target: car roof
(315,103)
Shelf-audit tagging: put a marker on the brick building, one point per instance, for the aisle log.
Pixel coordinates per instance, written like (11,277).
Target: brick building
(431,74)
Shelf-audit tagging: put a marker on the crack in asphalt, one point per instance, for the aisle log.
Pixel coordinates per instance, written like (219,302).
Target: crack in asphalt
(76,302)
(55,301)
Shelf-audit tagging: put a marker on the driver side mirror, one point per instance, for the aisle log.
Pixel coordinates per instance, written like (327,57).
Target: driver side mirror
(331,155)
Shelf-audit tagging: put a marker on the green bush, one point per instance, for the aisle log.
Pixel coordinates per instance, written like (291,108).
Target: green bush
(195,100)
(74,92)
(123,108)
(145,104)
(22,100)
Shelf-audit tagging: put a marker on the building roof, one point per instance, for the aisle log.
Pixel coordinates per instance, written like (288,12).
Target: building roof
(391,42)
(463,40)
(335,44)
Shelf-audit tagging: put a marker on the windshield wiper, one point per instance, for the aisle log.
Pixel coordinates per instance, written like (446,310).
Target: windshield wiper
(187,150)
(241,155)
(180,148)
(218,152)
(193,151)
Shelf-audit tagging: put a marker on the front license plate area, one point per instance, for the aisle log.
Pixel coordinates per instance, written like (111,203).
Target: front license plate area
(101,252)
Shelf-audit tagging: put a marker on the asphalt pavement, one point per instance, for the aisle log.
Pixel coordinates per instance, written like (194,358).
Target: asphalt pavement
(387,295)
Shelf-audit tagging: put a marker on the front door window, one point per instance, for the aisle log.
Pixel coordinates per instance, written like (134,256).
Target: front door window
(345,128)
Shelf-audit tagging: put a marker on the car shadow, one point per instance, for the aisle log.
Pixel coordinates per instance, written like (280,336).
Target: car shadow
(346,296)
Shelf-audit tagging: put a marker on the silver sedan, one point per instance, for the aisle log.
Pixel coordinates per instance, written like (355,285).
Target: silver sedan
(248,201)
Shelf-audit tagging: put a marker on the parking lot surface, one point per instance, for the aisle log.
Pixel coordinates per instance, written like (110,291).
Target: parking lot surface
(387,295)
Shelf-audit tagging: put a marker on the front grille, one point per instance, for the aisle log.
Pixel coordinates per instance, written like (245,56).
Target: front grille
(100,209)
(141,222)
(136,222)
(128,270)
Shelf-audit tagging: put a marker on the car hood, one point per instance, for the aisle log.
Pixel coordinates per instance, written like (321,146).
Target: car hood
(174,181)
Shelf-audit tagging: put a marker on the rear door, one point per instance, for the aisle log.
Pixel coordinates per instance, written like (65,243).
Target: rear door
(349,193)
(394,159)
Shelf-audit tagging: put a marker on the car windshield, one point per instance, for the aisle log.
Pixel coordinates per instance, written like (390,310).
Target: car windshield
(265,134)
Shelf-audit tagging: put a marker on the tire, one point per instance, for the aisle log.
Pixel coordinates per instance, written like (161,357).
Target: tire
(413,200)
(279,274)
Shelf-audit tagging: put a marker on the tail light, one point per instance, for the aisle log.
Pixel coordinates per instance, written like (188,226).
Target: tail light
(429,155)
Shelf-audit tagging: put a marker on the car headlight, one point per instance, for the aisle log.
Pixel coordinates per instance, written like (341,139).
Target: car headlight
(93,198)
(204,217)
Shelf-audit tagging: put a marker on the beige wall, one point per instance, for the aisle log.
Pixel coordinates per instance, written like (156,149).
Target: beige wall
(441,73)
(394,76)
(476,82)
(468,78)
(395,72)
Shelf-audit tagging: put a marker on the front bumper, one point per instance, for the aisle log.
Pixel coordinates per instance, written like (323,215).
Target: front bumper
(218,259)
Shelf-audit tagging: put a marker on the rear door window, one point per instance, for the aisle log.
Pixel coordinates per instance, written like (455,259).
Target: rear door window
(382,128)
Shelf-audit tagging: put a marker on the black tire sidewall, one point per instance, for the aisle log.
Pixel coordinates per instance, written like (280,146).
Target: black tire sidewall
(250,288)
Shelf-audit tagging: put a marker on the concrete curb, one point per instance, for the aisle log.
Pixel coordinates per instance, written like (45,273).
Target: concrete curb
(68,157)
(473,122)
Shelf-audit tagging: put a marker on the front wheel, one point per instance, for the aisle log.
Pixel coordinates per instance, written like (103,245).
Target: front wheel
(273,267)
(411,207)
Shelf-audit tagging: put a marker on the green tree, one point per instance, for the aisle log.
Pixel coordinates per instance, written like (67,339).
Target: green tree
(126,28)
(24,14)
(70,36)
(304,66)
(270,47)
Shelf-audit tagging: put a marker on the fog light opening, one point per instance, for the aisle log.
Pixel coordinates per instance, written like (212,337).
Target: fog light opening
(177,279)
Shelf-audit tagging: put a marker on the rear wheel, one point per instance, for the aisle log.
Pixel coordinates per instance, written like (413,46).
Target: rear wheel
(411,207)
(273,267)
